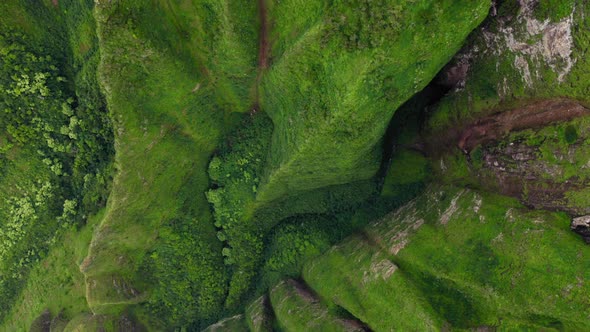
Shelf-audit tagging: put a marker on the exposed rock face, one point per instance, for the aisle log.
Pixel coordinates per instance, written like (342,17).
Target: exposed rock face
(581,225)
(42,323)
(235,323)
(553,43)
(537,153)
(519,115)
(531,116)
(463,249)
(533,44)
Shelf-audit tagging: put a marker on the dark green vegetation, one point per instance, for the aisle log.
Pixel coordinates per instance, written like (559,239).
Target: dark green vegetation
(293,165)
(55,135)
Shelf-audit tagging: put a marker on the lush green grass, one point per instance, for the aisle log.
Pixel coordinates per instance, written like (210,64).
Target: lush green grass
(311,315)
(28,220)
(170,112)
(178,76)
(554,10)
(359,276)
(408,173)
(330,92)
(259,315)
(250,229)
(56,141)
(334,85)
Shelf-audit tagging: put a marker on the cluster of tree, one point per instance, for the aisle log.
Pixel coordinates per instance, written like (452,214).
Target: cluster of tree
(70,130)
(236,172)
(60,120)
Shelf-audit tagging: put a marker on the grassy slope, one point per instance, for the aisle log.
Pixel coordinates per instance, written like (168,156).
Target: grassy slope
(330,101)
(311,315)
(495,83)
(171,93)
(23,169)
(165,107)
(338,75)
(234,324)
(259,315)
(548,144)
(450,259)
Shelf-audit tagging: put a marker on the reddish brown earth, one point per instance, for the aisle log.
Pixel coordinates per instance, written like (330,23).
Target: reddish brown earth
(514,168)
(496,126)
(534,115)
(55,2)
(263,51)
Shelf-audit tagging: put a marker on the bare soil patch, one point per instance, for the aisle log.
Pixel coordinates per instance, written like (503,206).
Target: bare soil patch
(496,126)
(534,115)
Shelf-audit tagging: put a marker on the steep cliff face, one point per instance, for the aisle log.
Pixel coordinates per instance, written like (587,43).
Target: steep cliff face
(331,81)
(457,257)
(522,52)
(538,153)
(335,82)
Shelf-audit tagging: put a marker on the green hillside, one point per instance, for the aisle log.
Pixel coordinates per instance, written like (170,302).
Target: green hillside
(283,165)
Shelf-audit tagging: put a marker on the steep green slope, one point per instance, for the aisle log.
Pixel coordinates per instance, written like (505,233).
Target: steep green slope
(310,315)
(451,259)
(336,80)
(525,52)
(330,88)
(210,206)
(462,258)
(55,283)
(516,120)
(171,96)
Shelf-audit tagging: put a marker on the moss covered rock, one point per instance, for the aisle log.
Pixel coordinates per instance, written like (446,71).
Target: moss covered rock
(459,258)
(525,50)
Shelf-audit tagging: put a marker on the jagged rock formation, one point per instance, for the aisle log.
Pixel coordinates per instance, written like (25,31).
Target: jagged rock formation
(581,225)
